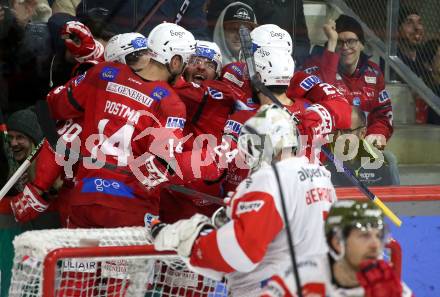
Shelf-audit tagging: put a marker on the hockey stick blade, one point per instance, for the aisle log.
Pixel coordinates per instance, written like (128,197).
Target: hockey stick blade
(196,194)
(246,48)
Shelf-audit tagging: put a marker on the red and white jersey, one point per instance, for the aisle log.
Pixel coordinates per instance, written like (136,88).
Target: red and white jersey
(316,281)
(365,88)
(253,246)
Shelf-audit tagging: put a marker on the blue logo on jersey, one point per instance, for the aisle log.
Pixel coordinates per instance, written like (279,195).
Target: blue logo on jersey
(383,96)
(159,93)
(309,82)
(233,126)
(109,73)
(311,69)
(237,70)
(80,78)
(217,95)
(106,186)
(356,101)
(175,122)
(139,42)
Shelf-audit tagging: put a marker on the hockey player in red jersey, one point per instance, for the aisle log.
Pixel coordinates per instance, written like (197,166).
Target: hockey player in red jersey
(30,203)
(208,103)
(275,69)
(361,81)
(355,234)
(118,103)
(251,247)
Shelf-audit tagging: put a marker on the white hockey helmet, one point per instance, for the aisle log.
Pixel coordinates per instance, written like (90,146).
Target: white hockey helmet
(272,36)
(167,40)
(275,66)
(211,51)
(267,134)
(119,46)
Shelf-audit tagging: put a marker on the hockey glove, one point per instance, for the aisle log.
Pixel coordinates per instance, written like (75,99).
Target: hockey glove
(181,235)
(378,279)
(29,204)
(80,42)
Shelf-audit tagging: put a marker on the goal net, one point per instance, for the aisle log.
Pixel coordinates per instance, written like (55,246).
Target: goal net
(101,262)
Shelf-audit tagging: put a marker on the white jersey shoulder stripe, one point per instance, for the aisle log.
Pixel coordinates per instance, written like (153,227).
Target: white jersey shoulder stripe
(231,250)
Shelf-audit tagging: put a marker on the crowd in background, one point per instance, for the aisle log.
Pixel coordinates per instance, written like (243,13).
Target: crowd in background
(34,59)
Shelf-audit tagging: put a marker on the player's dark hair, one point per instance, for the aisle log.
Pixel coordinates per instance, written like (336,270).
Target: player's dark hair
(278,90)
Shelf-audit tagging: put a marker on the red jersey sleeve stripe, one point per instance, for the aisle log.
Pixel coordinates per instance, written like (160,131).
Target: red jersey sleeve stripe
(231,250)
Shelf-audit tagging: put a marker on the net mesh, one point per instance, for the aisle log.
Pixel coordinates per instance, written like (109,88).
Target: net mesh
(146,275)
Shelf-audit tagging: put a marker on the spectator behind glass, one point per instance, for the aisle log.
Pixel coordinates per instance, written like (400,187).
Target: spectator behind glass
(278,12)
(65,6)
(24,54)
(431,59)
(63,63)
(386,174)
(344,64)
(411,36)
(226,29)
(127,14)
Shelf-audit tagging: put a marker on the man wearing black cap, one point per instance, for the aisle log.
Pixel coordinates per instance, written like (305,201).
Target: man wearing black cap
(361,81)
(226,29)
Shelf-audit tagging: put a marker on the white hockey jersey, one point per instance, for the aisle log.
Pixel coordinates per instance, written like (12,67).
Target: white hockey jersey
(316,280)
(253,245)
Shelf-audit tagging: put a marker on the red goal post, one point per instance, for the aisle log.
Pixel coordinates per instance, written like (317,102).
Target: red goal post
(101,262)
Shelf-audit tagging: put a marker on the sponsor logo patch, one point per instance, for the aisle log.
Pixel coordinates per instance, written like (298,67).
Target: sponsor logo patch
(232,78)
(312,173)
(175,122)
(109,73)
(233,127)
(217,95)
(370,79)
(311,69)
(106,186)
(139,42)
(159,93)
(79,79)
(248,206)
(237,70)
(356,101)
(309,82)
(384,96)
(129,93)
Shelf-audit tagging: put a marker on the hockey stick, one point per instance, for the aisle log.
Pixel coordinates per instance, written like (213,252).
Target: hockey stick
(246,47)
(148,16)
(289,233)
(22,169)
(196,194)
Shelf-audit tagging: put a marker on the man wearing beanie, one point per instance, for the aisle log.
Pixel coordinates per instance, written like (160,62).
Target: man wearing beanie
(344,64)
(24,133)
(360,80)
